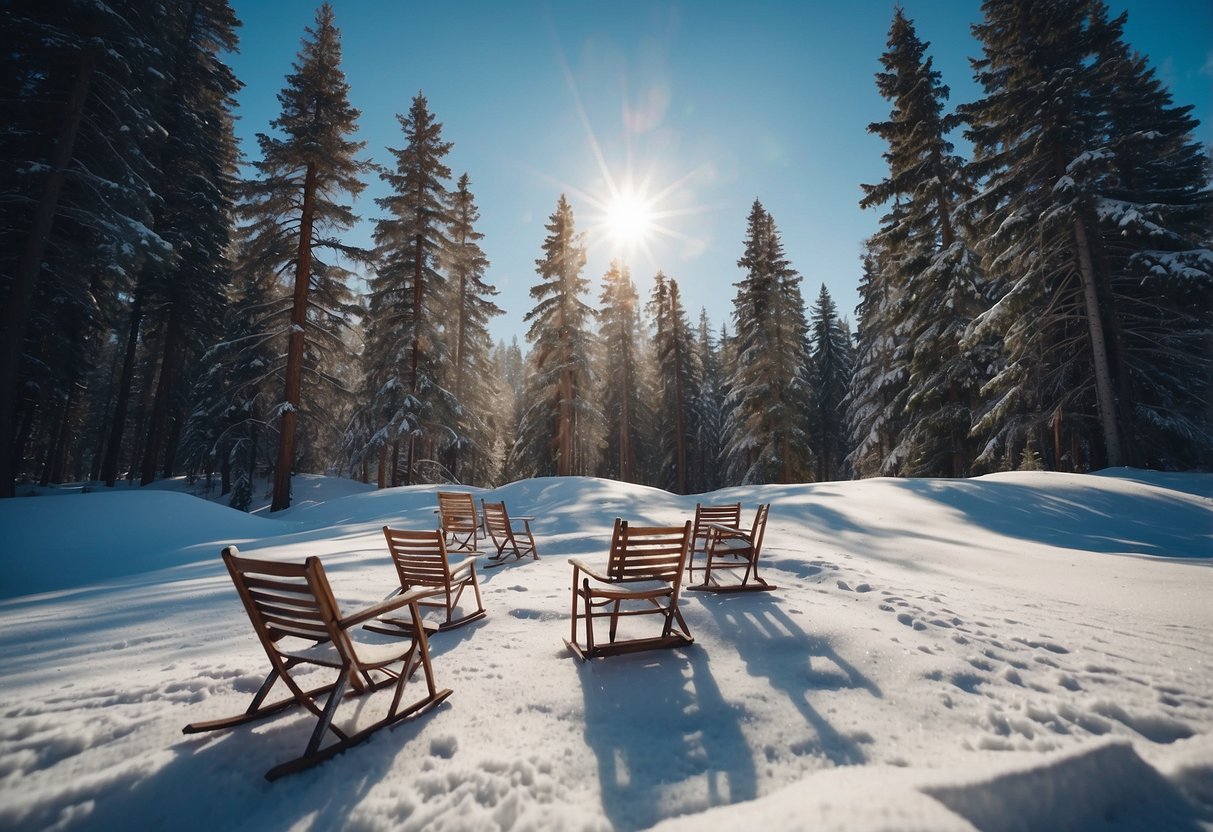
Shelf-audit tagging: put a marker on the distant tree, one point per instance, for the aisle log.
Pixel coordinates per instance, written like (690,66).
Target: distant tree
(292,209)
(767,439)
(832,365)
(677,383)
(624,406)
(707,472)
(560,420)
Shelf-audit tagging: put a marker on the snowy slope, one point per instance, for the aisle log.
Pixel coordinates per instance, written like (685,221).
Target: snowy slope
(1020,651)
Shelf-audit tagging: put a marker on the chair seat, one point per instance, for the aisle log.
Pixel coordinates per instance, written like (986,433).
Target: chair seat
(371,655)
(633,589)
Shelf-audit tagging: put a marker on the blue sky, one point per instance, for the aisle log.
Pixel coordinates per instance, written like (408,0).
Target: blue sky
(699,106)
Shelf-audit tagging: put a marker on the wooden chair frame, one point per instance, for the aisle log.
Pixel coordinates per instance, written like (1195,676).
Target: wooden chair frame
(459,521)
(733,548)
(502,531)
(724,514)
(297,620)
(644,572)
(423,565)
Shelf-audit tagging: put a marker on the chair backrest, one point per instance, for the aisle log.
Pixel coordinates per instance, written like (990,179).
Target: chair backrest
(458,511)
(496,518)
(648,552)
(419,556)
(727,514)
(759,529)
(285,599)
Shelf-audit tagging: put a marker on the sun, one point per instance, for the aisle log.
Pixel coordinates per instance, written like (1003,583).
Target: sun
(629,219)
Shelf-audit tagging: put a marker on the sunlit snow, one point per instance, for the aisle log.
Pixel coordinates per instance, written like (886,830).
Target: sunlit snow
(1018,651)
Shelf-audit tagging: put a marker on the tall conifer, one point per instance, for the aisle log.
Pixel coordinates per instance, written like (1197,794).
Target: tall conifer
(293,209)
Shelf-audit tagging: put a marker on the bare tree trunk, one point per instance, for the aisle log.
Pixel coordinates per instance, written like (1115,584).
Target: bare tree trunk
(294,353)
(109,465)
(160,404)
(680,443)
(1104,393)
(14,317)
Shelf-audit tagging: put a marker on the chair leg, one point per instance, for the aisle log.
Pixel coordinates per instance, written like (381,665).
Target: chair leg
(330,708)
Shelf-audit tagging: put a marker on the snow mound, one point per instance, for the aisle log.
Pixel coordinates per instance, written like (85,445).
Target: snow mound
(86,538)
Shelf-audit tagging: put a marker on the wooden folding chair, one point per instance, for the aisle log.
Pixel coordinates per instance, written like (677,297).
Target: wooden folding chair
(457,510)
(725,514)
(504,535)
(643,577)
(733,548)
(422,565)
(292,609)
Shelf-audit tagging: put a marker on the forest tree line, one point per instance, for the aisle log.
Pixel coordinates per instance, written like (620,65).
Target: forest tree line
(1045,303)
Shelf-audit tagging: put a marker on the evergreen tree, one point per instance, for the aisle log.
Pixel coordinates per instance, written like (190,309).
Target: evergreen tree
(1065,138)
(707,473)
(195,174)
(677,383)
(235,394)
(935,274)
(475,380)
(832,366)
(293,208)
(1156,231)
(406,350)
(623,401)
(556,433)
(767,440)
(80,82)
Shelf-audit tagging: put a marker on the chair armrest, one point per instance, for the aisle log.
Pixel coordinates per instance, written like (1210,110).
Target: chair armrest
(467,564)
(393,603)
(721,530)
(589,570)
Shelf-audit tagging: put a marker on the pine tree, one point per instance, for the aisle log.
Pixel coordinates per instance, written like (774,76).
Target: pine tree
(233,397)
(832,367)
(474,378)
(195,176)
(406,350)
(935,274)
(677,382)
(293,210)
(767,440)
(623,397)
(1067,242)
(707,473)
(556,433)
(80,82)
(1156,223)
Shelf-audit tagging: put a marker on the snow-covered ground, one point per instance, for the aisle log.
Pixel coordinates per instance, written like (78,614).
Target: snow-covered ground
(1020,651)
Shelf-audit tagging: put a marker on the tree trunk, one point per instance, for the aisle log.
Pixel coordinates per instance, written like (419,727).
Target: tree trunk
(14,317)
(680,443)
(59,452)
(294,353)
(156,433)
(1104,392)
(109,465)
(171,443)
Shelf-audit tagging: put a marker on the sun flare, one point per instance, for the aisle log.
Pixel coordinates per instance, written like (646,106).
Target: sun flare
(629,218)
